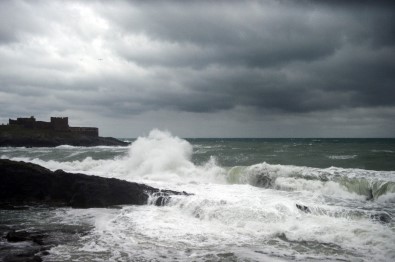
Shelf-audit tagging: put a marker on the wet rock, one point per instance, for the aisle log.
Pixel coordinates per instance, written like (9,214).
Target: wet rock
(381,217)
(23,257)
(18,236)
(24,245)
(303,208)
(370,195)
(26,183)
(261,180)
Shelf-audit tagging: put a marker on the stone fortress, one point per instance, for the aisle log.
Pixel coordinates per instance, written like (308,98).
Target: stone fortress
(59,124)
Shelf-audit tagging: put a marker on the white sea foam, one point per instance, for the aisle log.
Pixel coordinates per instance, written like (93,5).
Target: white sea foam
(328,188)
(163,159)
(342,157)
(387,198)
(236,218)
(228,211)
(157,157)
(382,151)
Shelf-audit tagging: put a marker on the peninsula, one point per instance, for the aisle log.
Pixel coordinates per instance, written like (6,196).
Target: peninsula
(31,133)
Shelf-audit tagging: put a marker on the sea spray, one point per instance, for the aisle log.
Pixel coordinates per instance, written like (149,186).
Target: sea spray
(348,183)
(159,152)
(240,210)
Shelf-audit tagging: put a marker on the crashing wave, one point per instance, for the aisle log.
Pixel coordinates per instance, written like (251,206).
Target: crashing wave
(370,184)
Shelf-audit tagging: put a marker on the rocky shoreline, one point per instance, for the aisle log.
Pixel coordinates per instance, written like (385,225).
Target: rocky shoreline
(27,132)
(26,245)
(26,185)
(57,139)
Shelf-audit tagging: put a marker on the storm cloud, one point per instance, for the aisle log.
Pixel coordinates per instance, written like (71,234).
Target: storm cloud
(202,68)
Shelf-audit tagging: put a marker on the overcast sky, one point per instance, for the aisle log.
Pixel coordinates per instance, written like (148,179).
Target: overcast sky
(202,68)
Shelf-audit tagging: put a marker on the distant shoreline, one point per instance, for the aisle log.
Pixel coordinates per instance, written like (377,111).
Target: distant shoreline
(28,132)
(21,137)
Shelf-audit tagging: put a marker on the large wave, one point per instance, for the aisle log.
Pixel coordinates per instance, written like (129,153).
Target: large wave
(371,185)
(162,157)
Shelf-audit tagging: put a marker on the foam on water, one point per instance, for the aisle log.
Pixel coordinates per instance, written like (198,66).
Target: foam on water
(236,213)
(240,219)
(342,157)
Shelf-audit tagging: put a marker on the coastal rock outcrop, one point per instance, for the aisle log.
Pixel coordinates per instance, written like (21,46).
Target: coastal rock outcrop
(56,139)
(26,183)
(33,245)
(28,132)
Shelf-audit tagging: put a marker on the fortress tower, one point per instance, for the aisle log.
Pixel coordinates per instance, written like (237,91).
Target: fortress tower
(60,123)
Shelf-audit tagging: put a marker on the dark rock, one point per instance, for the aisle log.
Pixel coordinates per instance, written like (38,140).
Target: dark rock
(8,206)
(261,180)
(57,141)
(13,252)
(370,195)
(17,236)
(26,183)
(303,208)
(36,244)
(16,137)
(162,200)
(381,217)
(23,257)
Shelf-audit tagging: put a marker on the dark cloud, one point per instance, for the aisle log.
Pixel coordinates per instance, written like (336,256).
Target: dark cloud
(193,58)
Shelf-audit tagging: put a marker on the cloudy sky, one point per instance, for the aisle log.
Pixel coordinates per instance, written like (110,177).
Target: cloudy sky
(202,68)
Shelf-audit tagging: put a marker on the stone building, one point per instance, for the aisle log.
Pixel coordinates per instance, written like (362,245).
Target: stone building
(59,124)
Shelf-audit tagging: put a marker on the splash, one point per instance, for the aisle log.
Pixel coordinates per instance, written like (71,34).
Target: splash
(158,157)
(344,183)
(159,153)
(163,159)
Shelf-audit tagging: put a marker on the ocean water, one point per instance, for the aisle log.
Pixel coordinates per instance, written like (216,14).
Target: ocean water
(243,206)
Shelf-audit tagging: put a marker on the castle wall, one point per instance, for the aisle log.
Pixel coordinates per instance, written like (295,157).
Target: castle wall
(88,131)
(28,122)
(60,123)
(43,125)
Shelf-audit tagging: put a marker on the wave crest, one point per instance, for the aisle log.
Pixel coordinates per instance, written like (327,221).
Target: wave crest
(349,183)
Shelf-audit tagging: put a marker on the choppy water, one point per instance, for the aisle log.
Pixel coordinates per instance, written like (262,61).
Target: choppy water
(244,202)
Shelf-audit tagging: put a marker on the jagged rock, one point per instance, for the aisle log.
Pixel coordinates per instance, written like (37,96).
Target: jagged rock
(18,236)
(381,217)
(36,244)
(26,183)
(303,208)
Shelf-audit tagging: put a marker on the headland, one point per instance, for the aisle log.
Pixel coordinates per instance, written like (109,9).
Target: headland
(28,132)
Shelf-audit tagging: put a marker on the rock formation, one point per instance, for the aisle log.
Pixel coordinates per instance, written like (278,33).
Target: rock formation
(29,184)
(25,183)
(28,132)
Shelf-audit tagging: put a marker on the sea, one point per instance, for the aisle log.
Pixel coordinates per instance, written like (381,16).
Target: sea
(243,205)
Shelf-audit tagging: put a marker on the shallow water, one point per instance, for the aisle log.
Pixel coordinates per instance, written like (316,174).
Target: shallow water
(244,202)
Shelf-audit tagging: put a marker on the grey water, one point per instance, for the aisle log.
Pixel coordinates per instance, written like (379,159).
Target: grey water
(372,154)
(244,202)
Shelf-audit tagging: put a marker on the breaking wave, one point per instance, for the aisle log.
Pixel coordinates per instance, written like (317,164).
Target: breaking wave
(332,181)
(163,158)
(292,212)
